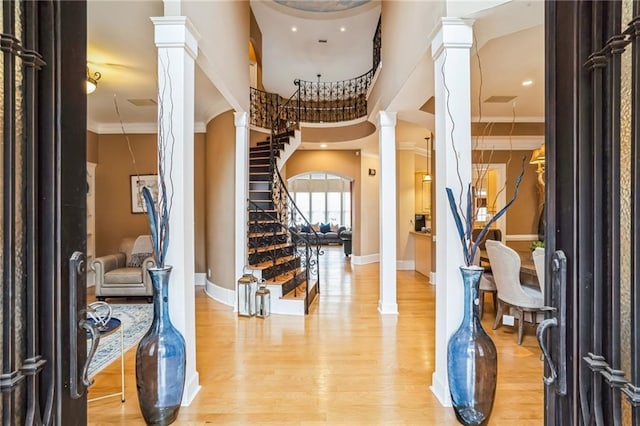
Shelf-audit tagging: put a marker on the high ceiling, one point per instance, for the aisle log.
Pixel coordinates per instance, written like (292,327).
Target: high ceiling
(125,55)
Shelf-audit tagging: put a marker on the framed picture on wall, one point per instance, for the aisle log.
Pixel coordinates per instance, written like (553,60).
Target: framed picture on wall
(137,183)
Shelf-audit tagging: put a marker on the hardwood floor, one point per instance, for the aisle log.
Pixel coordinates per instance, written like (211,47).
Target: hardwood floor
(343,364)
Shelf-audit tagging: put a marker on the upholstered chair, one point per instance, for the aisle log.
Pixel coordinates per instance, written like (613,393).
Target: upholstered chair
(125,273)
(505,264)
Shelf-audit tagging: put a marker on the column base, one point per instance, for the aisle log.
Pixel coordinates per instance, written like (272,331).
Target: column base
(191,389)
(441,390)
(388,308)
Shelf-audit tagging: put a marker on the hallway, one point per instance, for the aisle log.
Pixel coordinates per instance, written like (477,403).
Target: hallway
(344,364)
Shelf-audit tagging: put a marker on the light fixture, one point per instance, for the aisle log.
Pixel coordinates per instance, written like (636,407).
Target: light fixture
(343,29)
(323,145)
(427,177)
(294,29)
(92,81)
(527,83)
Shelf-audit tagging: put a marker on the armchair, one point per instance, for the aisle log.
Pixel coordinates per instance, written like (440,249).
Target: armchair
(125,273)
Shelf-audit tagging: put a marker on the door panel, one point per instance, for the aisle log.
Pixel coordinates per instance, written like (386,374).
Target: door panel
(593,96)
(42,162)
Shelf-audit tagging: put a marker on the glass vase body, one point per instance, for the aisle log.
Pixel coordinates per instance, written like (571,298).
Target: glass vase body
(472,361)
(160,359)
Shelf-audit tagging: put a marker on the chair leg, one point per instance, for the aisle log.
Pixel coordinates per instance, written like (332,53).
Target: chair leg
(496,323)
(494,296)
(481,307)
(520,327)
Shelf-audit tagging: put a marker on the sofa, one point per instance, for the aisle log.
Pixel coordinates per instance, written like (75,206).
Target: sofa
(326,233)
(125,273)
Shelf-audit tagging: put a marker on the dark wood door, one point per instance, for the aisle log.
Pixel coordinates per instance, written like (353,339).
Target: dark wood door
(43,168)
(593,212)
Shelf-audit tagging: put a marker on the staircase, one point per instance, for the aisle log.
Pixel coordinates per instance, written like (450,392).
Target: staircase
(277,255)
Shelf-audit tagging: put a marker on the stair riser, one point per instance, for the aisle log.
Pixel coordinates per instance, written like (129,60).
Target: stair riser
(263,151)
(260,186)
(280,269)
(253,216)
(259,169)
(259,195)
(261,177)
(292,284)
(259,204)
(256,258)
(267,240)
(260,161)
(264,227)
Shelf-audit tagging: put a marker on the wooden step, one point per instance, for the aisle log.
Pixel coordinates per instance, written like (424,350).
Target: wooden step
(266,234)
(264,265)
(283,279)
(268,248)
(299,293)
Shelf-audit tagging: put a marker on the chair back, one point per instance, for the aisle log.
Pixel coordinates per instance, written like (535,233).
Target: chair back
(538,262)
(505,264)
(491,234)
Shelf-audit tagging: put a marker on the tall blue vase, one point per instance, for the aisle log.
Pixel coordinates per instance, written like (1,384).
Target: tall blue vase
(472,362)
(160,359)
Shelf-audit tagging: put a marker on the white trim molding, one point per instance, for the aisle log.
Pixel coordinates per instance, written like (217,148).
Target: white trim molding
(405,265)
(432,278)
(135,128)
(200,278)
(220,294)
(506,143)
(521,237)
(366,259)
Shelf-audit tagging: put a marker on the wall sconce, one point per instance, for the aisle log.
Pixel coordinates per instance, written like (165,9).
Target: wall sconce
(372,172)
(427,177)
(537,158)
(92,81)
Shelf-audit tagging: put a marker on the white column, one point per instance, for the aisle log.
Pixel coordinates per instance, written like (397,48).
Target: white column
(387,150)
(451,50)
(177,43)
(241,120)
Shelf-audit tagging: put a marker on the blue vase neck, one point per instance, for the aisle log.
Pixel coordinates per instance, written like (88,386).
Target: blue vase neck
(160,280)
(470,280)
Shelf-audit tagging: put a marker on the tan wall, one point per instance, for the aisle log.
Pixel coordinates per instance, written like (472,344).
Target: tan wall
(370,228)
(199,202)
(220,200)
(522,216)
(344,163)
(114,220)
(405,204)
(92,147)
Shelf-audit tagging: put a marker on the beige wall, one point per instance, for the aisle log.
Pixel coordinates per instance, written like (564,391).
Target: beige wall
(199,202)
(220,200)
(369,237)
(405,204)
(114,220)
(344,163)
(92,147)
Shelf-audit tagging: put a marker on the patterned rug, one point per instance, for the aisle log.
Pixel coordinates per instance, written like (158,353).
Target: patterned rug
(136,320)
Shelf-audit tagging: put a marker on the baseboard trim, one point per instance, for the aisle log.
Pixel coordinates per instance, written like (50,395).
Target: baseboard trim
(406,265)
(220,294)
(388,308)
(440,390)
(201,278)
(191,389)
(432,278)
(366,259)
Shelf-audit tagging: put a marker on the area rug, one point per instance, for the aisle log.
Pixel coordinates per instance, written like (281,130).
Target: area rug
(136,320)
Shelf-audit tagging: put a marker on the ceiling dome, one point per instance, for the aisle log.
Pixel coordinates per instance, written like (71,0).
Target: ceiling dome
(322,5)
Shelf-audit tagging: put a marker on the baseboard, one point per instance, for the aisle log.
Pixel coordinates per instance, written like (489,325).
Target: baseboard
(200,278)
(406,265)
(388,308)
(440,390)
(367,258)
(191,389)
(432,278)
(220,294)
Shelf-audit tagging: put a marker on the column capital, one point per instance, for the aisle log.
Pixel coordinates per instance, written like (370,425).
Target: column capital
(241,119)
(176,31)
(452,33)
(387,118)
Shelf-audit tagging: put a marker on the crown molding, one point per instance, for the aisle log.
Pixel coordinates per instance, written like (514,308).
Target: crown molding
(135,128)
(506,143)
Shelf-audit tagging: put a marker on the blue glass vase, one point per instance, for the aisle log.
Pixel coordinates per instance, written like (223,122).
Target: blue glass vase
(472,361)
(160,359)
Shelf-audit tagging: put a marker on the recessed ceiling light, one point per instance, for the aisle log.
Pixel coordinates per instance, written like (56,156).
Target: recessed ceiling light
(343,29)
(527,83)
(294,29)
(323,145)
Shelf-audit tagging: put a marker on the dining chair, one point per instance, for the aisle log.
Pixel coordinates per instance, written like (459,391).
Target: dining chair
(505,264)
(538,262)
(487,285)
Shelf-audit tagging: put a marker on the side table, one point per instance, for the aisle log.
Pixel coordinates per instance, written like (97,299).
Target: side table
(111,327)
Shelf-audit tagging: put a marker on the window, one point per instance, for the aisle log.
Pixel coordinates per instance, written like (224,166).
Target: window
(322,197)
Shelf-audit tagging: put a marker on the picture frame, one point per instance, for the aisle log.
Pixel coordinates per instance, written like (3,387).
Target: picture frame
(137,183)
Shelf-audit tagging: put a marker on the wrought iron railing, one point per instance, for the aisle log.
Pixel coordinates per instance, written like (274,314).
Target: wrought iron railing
(377,45)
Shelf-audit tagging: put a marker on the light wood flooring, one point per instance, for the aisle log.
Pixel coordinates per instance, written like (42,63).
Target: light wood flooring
(343,364)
